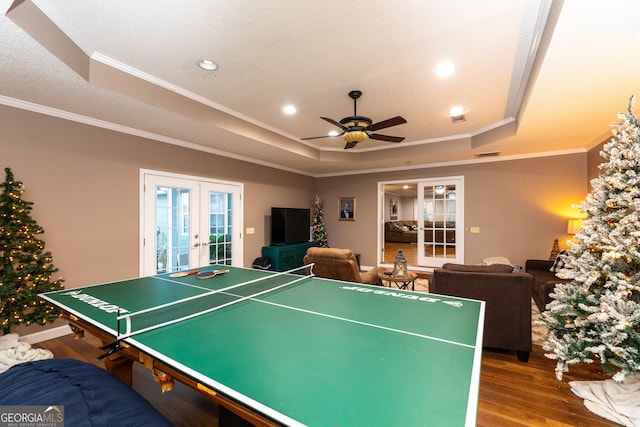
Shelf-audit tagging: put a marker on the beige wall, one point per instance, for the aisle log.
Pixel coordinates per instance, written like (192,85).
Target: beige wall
(84,183)
(594,160)
(521,206)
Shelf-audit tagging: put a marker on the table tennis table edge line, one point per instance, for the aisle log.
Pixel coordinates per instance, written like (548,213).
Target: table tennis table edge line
(474,385)
(79,315)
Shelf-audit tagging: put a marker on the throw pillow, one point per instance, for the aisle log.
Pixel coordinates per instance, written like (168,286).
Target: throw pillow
(405,228)
(558,263)
(497,260)
(555,250)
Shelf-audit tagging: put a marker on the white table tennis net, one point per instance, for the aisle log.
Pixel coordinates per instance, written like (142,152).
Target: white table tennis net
(202,303)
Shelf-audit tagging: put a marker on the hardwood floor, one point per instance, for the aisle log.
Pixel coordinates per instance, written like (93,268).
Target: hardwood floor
(410,251)
(512,393)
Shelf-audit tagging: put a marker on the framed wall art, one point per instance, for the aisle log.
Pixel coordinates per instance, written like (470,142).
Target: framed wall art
(347,206)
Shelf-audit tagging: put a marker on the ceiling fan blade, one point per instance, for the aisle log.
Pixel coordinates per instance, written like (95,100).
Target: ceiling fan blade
(350,145)
(324,136)
(394,121)
(386,137)
(333,122)
(316,137)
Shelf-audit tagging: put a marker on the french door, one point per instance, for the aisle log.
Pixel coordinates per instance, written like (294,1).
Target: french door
(188,222)
(440,221)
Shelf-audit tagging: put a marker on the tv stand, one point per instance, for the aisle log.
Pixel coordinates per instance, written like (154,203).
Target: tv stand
(288,256)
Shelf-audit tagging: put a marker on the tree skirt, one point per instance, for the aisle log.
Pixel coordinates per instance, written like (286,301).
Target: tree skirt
(618,402)
(14,351)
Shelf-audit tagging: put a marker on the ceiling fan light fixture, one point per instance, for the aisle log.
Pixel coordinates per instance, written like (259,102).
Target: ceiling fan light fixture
(355,136)
(356,128)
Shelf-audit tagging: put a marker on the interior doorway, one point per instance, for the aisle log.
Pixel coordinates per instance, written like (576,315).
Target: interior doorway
(424,218)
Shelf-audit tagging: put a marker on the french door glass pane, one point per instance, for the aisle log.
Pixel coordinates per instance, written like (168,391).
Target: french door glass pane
(439,219)
(172,228)
(220,228)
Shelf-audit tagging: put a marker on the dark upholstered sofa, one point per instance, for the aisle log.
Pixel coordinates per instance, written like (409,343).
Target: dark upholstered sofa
(544,281)
(507,295)
(401,231)
(407,232)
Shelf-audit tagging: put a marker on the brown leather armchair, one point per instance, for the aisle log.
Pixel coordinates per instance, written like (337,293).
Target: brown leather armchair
(339,264)
(507,320)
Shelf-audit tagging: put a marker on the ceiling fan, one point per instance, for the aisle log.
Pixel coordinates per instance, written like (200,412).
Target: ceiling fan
(357,128)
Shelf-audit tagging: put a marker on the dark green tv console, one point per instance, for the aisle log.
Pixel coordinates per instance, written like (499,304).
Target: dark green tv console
(288,256)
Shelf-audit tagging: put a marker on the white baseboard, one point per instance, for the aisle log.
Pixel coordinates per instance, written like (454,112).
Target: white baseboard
(48,334)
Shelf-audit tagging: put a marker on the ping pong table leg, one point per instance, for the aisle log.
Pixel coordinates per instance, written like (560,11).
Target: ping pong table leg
(118,365)
(161,377)
(227,418)
(78,332)
(121,367)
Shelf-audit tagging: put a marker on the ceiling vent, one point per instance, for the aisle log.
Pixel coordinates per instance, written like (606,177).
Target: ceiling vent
(488,154)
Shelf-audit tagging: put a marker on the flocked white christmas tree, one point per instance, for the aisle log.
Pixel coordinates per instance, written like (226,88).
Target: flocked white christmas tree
(596,316)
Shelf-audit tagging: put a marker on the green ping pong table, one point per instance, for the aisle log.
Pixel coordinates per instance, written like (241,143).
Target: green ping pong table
(288,349)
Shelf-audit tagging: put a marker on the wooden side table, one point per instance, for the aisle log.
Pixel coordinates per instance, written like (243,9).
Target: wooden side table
(400,282)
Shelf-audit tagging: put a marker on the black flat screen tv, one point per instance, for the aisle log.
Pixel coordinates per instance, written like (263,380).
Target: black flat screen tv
(290,225)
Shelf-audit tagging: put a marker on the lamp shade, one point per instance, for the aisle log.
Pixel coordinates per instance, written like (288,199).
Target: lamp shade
(573,226)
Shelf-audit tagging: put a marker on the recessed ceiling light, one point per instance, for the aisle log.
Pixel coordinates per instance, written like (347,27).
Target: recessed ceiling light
(207,64)
(333,133)
(289,109)
(457,114)
(456,111)
(445,69)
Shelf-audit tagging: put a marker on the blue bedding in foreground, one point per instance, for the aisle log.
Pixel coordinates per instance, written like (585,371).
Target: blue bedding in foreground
(90,395)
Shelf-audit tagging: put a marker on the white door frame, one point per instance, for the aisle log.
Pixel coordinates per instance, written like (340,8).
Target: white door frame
(459,216)
(147,220)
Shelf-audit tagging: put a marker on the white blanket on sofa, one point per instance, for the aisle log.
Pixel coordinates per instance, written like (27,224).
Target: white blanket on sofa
(14,351)
(618,402)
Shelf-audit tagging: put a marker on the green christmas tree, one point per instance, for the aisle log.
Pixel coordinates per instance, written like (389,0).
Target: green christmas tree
(596,316)
(319,231)
(25,269)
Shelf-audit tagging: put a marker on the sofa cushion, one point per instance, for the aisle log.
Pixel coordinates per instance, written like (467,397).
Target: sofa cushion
(494,268)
